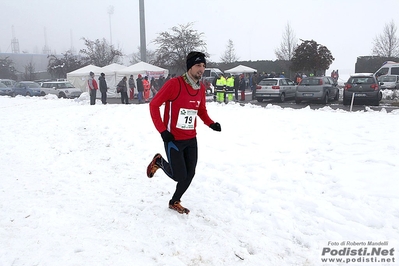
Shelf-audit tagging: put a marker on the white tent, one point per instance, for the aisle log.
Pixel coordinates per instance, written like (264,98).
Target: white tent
(241,69)
(110,72)
(142,68)
(80,76)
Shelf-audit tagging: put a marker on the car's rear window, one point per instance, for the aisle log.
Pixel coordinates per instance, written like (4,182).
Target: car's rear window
(310,81)
(361,80)
(268,82)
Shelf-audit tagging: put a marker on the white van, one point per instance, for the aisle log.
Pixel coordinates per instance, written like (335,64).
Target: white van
(388,68)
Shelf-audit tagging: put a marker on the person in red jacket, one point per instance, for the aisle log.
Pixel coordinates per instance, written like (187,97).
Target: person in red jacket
(93,87)
(184,99)
(146,85)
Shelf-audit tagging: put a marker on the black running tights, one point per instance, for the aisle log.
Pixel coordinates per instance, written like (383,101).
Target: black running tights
(182,156)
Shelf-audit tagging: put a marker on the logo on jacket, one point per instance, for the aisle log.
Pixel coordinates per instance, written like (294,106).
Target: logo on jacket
(197,103)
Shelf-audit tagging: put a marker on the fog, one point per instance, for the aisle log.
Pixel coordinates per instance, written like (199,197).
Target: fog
(346,28)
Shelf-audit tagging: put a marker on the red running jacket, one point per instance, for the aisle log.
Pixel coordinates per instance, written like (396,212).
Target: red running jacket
(182,105)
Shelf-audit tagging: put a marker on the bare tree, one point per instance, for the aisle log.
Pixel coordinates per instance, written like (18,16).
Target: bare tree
(174,45)
(136,57)
(7,69)
(29,71)
(100,53)
(229,55)
(287,45)
(58,67)
(387,43)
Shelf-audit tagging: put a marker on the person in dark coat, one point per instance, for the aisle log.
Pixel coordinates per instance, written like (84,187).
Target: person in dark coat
(123,88)
(242,87)
(103,88)
(140,88)
(236,86)
(132,86)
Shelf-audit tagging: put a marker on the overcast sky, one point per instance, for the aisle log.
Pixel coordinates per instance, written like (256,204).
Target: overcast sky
(346,27)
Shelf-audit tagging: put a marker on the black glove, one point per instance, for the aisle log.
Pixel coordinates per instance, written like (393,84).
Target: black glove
(216,126)
(167,136)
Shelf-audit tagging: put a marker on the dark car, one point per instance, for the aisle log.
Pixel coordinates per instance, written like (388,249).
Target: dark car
(27,88)
(4,90)
(363,87)
(321,89)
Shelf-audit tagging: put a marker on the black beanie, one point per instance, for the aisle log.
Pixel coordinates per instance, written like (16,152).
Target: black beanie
(194,58)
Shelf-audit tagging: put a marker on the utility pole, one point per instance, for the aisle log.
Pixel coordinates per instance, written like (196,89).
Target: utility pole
(110,12)
(72,49)
(46,49)
(143,48)
(14,43)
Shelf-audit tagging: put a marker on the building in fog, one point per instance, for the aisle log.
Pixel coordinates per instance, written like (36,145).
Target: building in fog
(21,60)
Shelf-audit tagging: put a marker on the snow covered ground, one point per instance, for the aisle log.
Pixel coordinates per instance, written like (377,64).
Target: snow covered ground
(273,188)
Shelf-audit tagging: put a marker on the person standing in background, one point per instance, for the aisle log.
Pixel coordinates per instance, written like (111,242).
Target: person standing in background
(140,88)
(103,88)
(154,86)
(229,88)
(123,88)
(236,86)
(242,87)
(146,85)
(132,86)
(220,88)
(93,87)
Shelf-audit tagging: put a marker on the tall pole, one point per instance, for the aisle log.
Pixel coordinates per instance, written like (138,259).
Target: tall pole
(143,49)
(110,12)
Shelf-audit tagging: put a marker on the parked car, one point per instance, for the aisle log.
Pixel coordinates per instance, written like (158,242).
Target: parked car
(390,82)
(275,88)
(4,90)
(321,89)
(364,87)
(27,88)
(63,89)
(8,82)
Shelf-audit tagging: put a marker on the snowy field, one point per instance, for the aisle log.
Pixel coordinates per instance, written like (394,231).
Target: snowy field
(273,188)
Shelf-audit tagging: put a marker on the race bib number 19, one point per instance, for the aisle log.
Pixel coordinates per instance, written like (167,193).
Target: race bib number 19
(186,119)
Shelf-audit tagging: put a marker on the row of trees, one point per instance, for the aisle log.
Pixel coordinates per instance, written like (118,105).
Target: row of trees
(173,46)
(98,53)
(312,56)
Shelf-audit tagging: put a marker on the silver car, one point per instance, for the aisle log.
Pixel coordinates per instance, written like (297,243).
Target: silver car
(390,82)
(275,88)
(63,89)
(321,89)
